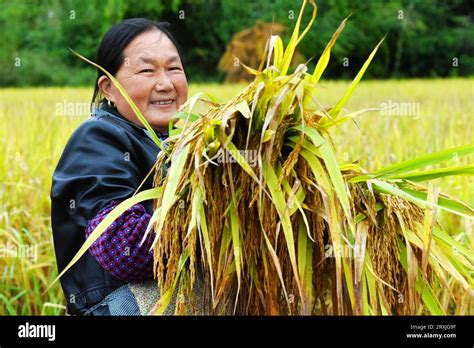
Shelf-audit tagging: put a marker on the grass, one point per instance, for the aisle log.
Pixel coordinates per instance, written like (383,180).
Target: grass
(33,135)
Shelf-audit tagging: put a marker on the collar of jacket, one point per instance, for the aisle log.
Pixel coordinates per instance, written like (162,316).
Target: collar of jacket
(104,110)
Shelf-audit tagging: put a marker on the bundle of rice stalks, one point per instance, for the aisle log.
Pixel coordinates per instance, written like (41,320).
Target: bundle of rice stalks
(257,212)
(255,197)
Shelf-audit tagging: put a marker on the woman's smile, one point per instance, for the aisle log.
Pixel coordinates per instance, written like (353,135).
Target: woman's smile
(164,103)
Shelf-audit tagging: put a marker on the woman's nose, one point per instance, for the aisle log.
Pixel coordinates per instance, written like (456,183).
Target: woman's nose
(163,83)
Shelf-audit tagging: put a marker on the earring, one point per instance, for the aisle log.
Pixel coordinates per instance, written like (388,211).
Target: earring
(110,104)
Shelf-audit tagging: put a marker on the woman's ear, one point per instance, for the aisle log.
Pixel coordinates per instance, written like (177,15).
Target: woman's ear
(105,87)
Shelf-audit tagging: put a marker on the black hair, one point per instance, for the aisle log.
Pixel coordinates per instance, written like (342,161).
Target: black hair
(110,52)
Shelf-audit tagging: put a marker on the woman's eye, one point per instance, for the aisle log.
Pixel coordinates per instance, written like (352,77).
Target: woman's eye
(146,70)
(175,68)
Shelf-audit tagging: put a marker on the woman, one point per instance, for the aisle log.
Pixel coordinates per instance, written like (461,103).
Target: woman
(105,161)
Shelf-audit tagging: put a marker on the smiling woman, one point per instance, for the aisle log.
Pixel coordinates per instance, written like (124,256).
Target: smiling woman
(150,71)
(104,163)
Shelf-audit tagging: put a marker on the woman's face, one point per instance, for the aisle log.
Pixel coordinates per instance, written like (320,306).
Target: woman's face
(153,76)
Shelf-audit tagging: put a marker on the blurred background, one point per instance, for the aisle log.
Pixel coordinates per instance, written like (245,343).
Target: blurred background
(424,37)
(419,86)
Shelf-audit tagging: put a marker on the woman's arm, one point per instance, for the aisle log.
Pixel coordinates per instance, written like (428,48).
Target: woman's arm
(118,250)
(100,164)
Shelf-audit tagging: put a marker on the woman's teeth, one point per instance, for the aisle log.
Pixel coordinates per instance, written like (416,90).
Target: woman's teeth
(163,102)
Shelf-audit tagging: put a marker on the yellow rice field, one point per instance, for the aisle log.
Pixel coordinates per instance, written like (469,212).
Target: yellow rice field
(413,117)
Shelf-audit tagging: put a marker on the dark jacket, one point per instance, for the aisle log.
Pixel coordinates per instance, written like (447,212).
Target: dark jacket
(105,159)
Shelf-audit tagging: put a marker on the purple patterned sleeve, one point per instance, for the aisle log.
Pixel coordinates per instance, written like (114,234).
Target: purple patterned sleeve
(118,249)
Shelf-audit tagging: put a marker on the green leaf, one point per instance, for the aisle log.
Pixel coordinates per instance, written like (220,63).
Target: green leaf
(207,246)
(435,174)
(455,245)
(170,193)
(334,112)
(331,166)
(421,198)
(237,249)
(324,59)
(296,38)
(419,162)
(243,108)
(305,265)
(267,135)
(278,200)
(429,298)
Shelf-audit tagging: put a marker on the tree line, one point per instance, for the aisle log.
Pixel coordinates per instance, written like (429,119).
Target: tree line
(424,38)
